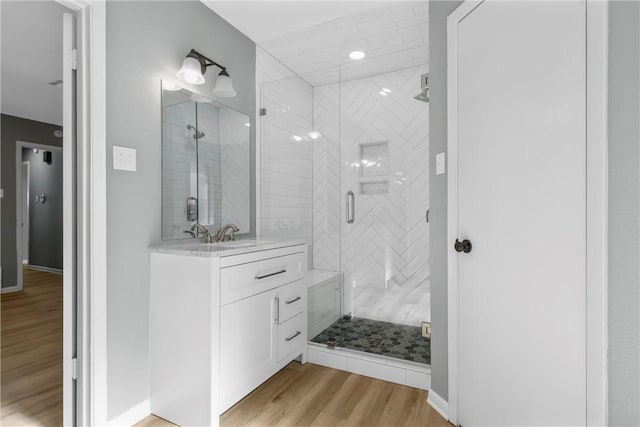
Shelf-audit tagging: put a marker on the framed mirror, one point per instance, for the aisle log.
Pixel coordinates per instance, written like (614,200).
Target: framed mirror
(206,165)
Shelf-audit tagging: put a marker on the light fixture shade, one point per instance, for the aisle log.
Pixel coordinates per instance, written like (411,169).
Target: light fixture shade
(191,71)
(224,87)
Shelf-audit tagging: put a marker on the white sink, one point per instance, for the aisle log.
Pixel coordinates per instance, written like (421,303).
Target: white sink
(237,244)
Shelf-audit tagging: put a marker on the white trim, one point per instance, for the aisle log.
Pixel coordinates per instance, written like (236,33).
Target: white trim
(10,289)
(384,368)
(133,415)
(22,215)
(438,403)
(597,252)
(69,244)
(91,214)
(597,211)
(452,202)
(19,146)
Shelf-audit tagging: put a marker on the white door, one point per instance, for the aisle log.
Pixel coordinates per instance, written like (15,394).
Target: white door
(521,158)
(69,220)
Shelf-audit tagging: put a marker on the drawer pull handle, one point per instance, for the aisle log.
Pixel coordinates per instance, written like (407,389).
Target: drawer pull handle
(264,276)
(277,319)
(291,301)
(293,336)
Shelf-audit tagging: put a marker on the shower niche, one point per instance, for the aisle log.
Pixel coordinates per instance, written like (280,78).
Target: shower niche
(206,165)
(374,168)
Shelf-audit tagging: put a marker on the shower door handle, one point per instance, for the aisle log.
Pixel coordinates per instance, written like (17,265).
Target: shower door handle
(350,207)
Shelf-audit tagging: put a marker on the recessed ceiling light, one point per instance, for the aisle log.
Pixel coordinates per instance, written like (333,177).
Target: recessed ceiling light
(383,93)
(314,134)
(296,138)
(356,54)
(384,89)
(248,125)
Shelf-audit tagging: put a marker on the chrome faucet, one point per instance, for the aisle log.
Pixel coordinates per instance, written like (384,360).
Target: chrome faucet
(207,237)
(222,234)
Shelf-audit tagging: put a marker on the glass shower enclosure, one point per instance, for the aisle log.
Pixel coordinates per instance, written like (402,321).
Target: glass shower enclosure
(357,146)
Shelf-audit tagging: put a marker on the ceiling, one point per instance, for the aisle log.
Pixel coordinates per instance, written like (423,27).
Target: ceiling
(266,20)
(314,38)
(31,35)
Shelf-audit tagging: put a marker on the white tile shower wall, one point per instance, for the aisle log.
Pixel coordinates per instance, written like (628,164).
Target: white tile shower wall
(234,157)
(209,179)
(326,178)
(178,168)
(385,252)
(285,163)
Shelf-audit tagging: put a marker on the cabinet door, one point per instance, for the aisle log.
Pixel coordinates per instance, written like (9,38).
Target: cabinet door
(247,346)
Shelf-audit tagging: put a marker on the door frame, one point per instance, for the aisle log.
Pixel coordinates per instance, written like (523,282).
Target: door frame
(19,214)
(596,207)
(23,210)
(91,215)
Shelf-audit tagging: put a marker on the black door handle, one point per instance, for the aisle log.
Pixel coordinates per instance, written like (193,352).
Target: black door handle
(464,246)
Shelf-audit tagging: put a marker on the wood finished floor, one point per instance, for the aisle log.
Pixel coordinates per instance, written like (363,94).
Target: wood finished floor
(312,395)
(31,351)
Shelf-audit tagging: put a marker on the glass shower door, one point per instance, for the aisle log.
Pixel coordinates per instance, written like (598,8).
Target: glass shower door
(384,179)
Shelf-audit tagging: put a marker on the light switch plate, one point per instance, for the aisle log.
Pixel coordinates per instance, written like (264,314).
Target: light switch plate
(124,158)
(440,163)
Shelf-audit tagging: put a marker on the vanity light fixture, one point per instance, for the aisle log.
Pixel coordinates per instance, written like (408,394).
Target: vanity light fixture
(167,85)
(195,65)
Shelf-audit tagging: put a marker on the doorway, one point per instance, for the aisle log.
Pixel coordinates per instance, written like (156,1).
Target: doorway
(38,218)
(38,302)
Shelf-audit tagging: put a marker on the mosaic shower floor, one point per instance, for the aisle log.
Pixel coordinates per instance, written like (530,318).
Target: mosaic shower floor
(383,338)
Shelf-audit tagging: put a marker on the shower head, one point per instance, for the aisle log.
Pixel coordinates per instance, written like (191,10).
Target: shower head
(196,134)
(424,85)
(423,96)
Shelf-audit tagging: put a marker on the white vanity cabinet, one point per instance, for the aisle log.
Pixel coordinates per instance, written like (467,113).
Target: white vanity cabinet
(222,322)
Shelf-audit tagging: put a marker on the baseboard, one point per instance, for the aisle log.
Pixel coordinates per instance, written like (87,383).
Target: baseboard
(47,269)
(132,416)
(439,404)
(9,289)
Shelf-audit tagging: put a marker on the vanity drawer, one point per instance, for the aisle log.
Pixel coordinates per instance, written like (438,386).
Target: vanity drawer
(291,335)
(243,280)
(292,299)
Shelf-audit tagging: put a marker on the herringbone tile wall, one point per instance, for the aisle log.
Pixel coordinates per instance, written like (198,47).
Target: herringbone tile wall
(385,252)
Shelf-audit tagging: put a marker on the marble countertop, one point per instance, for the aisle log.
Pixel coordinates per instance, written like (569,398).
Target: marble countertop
(194,247)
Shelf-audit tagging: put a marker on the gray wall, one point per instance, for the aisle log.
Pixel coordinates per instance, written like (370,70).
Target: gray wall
(45,219)
(147,41)
(438,12)
(624,213)
(16,129)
